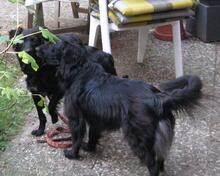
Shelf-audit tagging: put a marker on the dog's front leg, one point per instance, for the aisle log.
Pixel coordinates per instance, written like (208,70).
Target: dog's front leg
(41,116)
(78,128)
(52,107)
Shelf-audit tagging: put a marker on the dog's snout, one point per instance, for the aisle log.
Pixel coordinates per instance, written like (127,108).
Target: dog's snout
(37,49)
(27,50)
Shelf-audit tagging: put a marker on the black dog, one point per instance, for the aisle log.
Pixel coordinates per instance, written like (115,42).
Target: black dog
(44,81)
(108,102)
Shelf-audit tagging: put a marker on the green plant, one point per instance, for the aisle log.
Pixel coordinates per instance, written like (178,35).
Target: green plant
(19,1)
(11,116)
(25,58)
(13,98)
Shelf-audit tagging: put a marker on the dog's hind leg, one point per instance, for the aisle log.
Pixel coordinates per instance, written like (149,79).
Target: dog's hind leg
(94,135)
(140,137)
(161,165)
(41,116)
(163,138)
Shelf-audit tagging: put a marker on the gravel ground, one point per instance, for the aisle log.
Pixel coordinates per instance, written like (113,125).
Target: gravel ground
(196,147)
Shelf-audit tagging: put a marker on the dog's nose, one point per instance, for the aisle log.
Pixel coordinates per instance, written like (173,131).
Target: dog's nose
(27,50)
(37,49)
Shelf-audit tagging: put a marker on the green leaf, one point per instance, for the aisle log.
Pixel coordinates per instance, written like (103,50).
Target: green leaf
(18,39)
(48,35)
(6,74)
(21,91)
(45,109)
(9,93)
(4,38)
(43,103)
(28,59)
(40,103)
(19,1)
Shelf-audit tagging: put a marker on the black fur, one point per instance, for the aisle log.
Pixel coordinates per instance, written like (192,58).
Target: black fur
(108,102)
(44,81)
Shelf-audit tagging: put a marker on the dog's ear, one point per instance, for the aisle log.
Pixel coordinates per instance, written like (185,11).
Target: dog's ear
(73,57)
(11,33)
(73,54)
(52,61)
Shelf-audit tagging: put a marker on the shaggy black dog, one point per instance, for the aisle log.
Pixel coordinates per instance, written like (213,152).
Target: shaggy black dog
(107,102)
(44,81)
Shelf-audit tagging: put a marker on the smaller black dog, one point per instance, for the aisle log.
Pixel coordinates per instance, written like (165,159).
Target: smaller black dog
(107,102)
(41,82)
(44,81)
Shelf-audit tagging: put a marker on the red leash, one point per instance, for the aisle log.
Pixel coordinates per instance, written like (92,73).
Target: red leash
(61,142)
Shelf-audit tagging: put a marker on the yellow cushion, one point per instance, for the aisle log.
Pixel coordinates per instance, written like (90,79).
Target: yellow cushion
(139,7)
(119,19)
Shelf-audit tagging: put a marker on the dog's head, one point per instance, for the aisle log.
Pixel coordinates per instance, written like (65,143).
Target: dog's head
(50,54)
(30,42)
(67,57)
(74,57)
(28,45)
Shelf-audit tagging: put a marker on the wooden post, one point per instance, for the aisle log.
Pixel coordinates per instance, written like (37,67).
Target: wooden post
(39,15)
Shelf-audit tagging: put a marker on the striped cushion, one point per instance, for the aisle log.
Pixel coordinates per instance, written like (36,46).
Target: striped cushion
(139,7)
(119,19)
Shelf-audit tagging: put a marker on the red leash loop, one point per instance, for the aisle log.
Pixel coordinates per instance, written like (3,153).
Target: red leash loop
(57,142)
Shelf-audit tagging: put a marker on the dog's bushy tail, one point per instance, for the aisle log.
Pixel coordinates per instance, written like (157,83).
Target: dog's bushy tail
(182,93)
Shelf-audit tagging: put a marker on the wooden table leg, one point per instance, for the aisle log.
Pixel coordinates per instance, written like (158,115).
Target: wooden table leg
(30,20)
(39,15)
(75,7)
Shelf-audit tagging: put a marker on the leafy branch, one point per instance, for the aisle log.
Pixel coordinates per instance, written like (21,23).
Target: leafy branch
(48,35)
(28,59)
(18,1)
(43,103)
(14,93)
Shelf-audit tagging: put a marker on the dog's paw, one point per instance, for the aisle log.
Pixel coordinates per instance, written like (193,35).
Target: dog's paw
(70,154)
(88,148)
(125,76)
(38,132)
(54,118)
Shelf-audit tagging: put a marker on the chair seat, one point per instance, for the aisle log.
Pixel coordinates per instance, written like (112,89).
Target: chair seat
(160,13)
(124,21)
(140,7)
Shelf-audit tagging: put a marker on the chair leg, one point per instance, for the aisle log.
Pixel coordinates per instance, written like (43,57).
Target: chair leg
(142,42)
(105,33)
(177,48)
(93,31)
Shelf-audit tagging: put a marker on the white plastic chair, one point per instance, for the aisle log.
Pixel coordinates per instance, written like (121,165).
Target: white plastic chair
(106,28)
